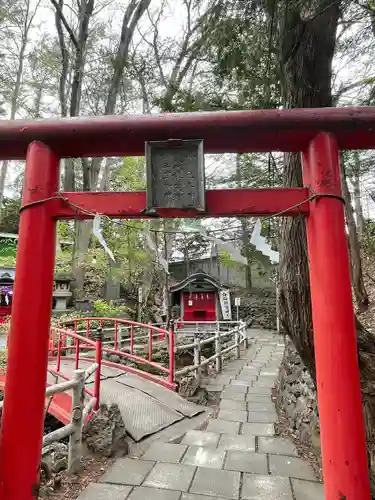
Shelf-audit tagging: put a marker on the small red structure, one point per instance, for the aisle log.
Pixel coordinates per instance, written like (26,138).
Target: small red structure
(6,297)
(317,133)
(198,298)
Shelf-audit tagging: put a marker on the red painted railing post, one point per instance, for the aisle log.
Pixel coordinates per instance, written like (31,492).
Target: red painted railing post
(344,456)
(132,339)
(150,344)
(30,329)
(98,359)
(171,354)
(87,328)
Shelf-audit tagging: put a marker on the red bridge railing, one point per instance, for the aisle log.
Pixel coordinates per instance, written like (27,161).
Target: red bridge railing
(81,335)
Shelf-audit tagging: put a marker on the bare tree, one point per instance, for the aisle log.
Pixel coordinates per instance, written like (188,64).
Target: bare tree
(21,19)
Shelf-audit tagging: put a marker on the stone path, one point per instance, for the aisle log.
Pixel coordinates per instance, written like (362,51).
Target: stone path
(236,457)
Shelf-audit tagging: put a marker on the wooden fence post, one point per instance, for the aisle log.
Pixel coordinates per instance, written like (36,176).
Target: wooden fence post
(197,357)
(75,440)
(237,342)
(218,349)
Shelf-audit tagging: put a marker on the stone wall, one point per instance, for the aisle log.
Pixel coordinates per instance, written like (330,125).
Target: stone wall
(296,400)
(259,308)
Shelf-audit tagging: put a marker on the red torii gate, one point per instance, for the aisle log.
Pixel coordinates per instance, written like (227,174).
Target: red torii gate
(317,133)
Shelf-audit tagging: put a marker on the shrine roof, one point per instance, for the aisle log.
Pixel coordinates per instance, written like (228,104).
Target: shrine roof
(198,277)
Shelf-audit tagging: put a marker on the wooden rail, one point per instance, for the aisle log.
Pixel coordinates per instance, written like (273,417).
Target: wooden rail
(238,336)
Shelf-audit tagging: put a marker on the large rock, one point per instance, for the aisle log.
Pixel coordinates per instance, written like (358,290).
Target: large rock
(297,396)
(105,433)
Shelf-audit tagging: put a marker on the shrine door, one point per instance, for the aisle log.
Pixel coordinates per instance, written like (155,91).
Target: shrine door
(199,306)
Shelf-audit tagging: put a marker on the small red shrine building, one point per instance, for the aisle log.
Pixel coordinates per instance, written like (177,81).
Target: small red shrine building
(198,297)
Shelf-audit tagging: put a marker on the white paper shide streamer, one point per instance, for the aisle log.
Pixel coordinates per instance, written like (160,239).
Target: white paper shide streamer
(97,231)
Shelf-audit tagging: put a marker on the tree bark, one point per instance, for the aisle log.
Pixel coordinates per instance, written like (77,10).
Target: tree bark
(355,180)
(307,48)
(354,247)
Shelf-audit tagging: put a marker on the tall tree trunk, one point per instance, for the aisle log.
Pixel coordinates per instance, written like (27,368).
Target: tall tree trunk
(355,180)
(28,19)
(307,48)
(245,237)
(91,171)
(354,247)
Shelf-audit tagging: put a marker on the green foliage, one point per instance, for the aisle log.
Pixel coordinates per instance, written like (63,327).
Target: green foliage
(109,310)
(9,215)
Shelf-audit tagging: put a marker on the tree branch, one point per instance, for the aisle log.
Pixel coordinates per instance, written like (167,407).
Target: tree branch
(65,22)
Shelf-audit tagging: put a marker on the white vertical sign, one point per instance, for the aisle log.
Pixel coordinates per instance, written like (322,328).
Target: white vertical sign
(225,304)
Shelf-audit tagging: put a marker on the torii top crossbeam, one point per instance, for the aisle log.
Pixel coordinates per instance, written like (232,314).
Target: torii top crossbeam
(222,132)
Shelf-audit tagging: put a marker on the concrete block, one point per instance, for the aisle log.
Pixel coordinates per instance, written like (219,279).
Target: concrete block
(255,487)
(223,427)
(96,491)
(142,493)
(276,446)
(201,438)
(240,443)
(216,483)
(204,457)
(233,415)
(170,477)
(255,463)
(165,452)
(305,490)
(254,429)
(291,467)
(127,471)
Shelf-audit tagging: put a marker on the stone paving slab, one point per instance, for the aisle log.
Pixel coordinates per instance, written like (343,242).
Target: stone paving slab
(258,398)
(291,467)
(189,496)
(241,461)
(105,492)
(234,396)
(236,389)
(127,471)
(265,488)
(223,427)
(216,483)
(306,490)
(258,429)
(204,457)
(244,382)
(276,446)
(233,415)
(142,493)
(261,417)
(240,443)
(201,438)
(267,406)
(229,404)
(260,390)
(165,452)
(170,477)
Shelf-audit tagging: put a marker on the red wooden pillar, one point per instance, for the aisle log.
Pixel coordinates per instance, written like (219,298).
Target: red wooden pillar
(340,406)
(23,413)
